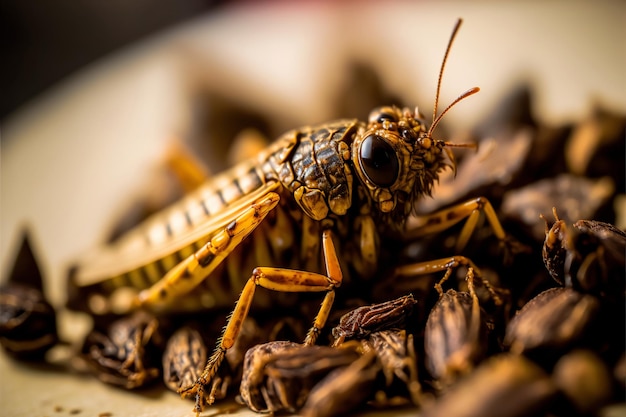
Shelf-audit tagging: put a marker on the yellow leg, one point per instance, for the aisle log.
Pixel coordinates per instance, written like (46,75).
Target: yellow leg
(185,276)
(277,279)
(446,218)
(448,265)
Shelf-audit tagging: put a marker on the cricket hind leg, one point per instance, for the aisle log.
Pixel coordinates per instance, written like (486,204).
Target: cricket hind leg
(277,279)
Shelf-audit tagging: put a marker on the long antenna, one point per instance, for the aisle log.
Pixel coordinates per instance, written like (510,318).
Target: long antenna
(437,119)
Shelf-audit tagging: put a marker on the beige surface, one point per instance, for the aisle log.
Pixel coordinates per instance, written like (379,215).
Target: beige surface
(71,160)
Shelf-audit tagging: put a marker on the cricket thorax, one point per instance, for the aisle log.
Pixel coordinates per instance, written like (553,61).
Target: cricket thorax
(313,166)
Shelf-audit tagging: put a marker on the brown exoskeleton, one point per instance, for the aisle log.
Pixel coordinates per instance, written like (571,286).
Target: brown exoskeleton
(318,208)
(28,327)
(372,359)
(455,337)
(127,353)
(588,256)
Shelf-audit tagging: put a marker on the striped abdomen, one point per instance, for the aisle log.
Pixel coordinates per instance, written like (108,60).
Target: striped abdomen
(306,167)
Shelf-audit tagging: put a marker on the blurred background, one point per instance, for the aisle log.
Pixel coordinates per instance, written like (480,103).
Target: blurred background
(94,94)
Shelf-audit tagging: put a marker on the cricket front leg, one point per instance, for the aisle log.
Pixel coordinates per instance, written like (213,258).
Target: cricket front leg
(448,265)
(277,279)
(470,211)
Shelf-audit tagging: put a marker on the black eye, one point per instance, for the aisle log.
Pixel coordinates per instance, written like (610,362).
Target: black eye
(408,134)
(379,161)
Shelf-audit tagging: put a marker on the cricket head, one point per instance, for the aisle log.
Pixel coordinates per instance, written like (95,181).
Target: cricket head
(396,157)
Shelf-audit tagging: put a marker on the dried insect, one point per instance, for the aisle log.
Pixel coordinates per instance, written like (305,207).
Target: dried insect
(183,360)
(128,353)
(552,321)
(395,351)
(278,376)
(588,256)
(187,351)
(362,321)
(320,203)
(28,326)
(324,381)
(27,322)
(455,337)
(343,389)
(381,329)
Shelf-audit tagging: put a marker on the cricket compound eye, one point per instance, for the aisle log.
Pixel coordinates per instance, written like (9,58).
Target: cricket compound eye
(379,161)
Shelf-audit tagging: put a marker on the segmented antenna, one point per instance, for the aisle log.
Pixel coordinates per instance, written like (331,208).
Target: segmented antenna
(471,91)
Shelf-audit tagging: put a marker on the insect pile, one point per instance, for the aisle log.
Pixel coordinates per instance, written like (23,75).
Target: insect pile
(352,289)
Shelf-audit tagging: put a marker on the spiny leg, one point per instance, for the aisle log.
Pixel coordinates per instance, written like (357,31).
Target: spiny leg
(186,275)
(277,279)
(448,265)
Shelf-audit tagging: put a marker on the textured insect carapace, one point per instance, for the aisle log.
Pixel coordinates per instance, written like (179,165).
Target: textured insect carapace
(318,206)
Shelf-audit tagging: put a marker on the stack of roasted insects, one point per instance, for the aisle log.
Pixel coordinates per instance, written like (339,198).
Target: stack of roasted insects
(433,298)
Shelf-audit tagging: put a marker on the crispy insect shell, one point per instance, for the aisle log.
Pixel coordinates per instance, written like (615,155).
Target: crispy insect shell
(184,358)
(590,256)
(127,353)
(343,389)
(395,351)
(362,321)
(596,260)
(555,319)
(27,322)
(278,376)
(28,326)
(455,337)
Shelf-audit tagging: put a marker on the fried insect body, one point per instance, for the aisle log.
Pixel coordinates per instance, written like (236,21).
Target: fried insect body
(127,354)
(395,351)
(27,322)
(188,349)
(380,359)
(185,355)
(554,320)
(325,381)
(588,256)
(381,329)
(455,337)
(183,360)
(343,389)
(278,376)
(362,321)
(28,327)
